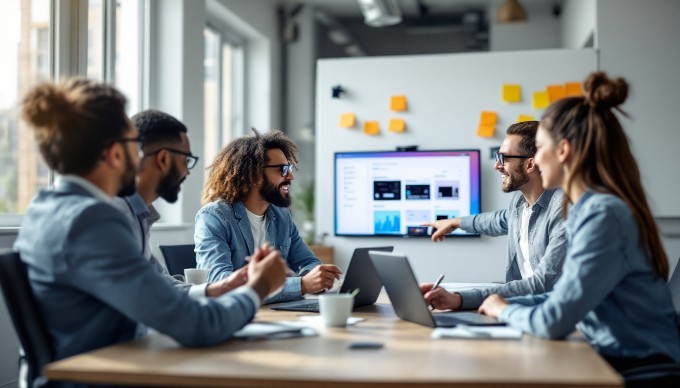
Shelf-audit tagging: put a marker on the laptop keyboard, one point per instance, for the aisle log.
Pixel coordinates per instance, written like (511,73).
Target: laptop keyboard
(446,321)
(304,307)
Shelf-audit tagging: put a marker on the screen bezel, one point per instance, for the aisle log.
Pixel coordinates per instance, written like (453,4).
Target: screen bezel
(335,191)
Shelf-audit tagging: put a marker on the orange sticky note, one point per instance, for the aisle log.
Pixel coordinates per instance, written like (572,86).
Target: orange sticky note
(512,93)
(522,118)
(541,100)
(371,128)
(573,89)
(347,120)
(488,118)
(486,130)
(397,125)
(398,103)
(556,92)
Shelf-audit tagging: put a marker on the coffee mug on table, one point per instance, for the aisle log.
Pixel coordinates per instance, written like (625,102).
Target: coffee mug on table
(195,275)
(335,309)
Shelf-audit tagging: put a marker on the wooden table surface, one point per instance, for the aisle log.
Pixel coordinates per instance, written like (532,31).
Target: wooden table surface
(409,358)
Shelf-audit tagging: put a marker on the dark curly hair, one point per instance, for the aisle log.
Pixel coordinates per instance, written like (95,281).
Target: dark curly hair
(239,165)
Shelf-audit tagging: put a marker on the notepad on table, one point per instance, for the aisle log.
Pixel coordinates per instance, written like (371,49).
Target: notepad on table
(477,332)
(273,330)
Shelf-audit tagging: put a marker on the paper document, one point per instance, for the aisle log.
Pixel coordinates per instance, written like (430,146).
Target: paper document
(318,320)
(273,330)
(477,332)
(451,287)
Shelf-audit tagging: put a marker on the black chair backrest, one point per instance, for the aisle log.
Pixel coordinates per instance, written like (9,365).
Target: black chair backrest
(26,316)
(674,285)
(178,257)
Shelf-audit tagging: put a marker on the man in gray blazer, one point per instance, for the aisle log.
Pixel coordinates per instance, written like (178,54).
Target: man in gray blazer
(92,283)
(537,241)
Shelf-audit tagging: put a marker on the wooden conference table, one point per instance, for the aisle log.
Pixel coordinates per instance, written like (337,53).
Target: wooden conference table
(408,359)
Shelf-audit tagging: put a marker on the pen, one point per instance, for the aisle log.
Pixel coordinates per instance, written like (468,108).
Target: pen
(438,282)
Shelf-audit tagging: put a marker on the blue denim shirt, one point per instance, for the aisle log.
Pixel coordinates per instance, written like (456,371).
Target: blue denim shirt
(94,286)
(223,240)
(547,245)
(608,288)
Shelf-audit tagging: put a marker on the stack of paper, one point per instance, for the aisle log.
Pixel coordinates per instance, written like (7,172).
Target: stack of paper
(273,330)
(477,332)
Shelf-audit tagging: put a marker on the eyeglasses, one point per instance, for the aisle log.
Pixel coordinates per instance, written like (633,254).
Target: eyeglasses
(190,158)
(285,168)
(500,158)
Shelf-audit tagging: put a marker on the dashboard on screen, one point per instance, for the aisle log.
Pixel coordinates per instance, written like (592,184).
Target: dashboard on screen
(390,193)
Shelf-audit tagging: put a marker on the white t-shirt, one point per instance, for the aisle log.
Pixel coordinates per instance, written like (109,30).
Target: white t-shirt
(258,227)
(525,265)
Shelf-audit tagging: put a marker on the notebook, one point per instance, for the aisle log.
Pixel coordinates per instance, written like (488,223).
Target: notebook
(400,283)
(360,274)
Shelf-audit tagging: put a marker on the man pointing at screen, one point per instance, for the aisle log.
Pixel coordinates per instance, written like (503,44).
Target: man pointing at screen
(246,202)
(533,223)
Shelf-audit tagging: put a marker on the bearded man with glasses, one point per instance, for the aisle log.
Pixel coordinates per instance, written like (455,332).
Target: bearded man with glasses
(165,162)
(533,223)
(246,202)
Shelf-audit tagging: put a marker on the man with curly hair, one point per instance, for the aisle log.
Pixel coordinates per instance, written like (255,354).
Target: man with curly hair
(245,205)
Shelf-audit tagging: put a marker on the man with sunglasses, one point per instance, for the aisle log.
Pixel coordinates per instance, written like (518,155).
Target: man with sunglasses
(246,202)
(165,162)
(533,223)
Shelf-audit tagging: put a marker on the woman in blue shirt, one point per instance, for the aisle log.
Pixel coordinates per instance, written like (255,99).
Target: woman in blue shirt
(613,286)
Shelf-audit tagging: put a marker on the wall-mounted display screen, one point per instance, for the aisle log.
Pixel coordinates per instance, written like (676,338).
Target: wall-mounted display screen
(390,193)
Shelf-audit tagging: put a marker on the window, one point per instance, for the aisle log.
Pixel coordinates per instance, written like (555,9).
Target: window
(95,39)
(25,47)
(129,45)
(223,64)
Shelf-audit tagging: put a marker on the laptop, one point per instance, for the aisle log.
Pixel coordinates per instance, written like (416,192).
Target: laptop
(408,302)
(360,274)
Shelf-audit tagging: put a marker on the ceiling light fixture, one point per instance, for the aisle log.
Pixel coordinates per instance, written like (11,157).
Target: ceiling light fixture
(510,12)
(380,13)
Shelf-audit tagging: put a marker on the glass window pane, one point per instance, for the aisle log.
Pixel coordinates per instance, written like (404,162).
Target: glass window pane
(128,65)
(211,92)
(227,93)
(25,48)
(95,39)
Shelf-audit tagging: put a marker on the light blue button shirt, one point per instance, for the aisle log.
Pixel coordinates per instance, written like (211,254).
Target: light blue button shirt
(608,288)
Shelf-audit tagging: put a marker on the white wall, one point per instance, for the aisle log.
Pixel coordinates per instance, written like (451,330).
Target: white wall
(542,30)
(638,40)
(578,22)
(446,94)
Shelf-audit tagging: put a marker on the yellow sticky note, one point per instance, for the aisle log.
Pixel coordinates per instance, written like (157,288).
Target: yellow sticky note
(488,118)
(522,118)
(556,92)
(347,120)
(573,89)
(397,125)
(371,128)
(541,100)
(398,103)
(512,93)
(486,130)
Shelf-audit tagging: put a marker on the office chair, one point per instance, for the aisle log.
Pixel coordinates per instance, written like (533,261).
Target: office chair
(178,257)
(660,375)
(35,347)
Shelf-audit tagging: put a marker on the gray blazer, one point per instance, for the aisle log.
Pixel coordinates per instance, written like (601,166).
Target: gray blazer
(547,245)
(94,286)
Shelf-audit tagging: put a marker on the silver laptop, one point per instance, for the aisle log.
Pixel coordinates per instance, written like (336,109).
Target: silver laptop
(360,274)
(408,302)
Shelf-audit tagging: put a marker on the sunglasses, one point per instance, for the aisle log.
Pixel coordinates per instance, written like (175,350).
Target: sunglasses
(285,168)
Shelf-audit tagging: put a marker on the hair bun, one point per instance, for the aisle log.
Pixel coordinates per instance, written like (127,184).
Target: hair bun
(601,91)
(45,105)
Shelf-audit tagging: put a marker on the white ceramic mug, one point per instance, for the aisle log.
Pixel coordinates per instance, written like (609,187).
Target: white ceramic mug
(195,275)
(335,309)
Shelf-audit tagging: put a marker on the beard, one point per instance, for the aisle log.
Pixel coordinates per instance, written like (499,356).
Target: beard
(272,193)
(515,181)
(169,187)
(128,181)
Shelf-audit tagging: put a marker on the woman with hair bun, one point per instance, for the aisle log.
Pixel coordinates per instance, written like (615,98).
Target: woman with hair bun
(613,286)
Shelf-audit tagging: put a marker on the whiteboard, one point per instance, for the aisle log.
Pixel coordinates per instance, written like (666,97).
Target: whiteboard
(445,96)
